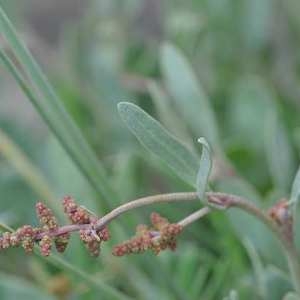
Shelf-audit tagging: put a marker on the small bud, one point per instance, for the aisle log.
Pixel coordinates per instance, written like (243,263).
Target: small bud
(103,234)
(46,216)
(86,235)
(61,242)
(121,250)
(6,240)
(15,239)
(157,221)
(162,236)
(28,245)
(281,214)
(45,245)
(27,234)
(76,214)
(94,248)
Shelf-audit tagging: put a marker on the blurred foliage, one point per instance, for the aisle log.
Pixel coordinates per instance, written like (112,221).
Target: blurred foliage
(238,67)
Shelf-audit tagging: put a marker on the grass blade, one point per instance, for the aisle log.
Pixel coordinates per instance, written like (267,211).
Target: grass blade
(28,171)
(51,109)
(110,292)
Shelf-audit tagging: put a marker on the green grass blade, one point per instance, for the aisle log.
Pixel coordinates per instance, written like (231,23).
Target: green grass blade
(159,141)
(105,289)
(51,109)
(28,171)
(12,287)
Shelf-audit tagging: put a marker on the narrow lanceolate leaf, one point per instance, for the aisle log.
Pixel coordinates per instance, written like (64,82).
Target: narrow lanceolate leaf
(279,152)
(204,169)
(291,296)
(295,192)
(167,114)
(294,202)
(188,94)
(257,267)
(233,295)
(40,92)
(159,141)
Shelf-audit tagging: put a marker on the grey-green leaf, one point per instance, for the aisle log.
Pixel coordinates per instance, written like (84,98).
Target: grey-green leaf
(294,201)
(204,169)
(233,295)
(295,192)
(168,115)
(257,267)
(279,152)
(159,141)
(188,94)
(291,296)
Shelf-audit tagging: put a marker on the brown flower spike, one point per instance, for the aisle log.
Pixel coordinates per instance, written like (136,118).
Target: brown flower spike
(50,232)
(157,238)
(93,231)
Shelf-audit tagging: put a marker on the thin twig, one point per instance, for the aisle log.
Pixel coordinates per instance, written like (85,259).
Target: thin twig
(194,216)
(225,201)
(173,197)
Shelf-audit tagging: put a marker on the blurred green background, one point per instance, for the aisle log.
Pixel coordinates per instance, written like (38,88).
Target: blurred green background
(246,57)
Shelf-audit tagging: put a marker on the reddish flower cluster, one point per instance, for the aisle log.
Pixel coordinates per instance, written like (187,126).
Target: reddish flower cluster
(23,236)
(91,237)
(162,235)
(76,214)
(26,236)
(281,214)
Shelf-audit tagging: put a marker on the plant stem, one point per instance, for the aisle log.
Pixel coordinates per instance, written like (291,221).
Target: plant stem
(162,198)
(59,261)
(225,201)
(194,216)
